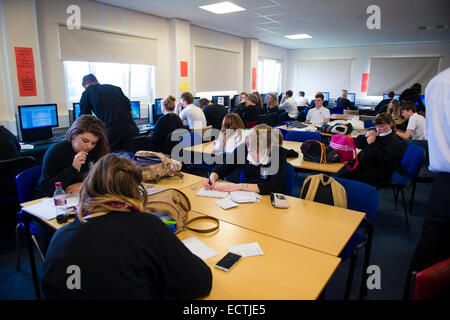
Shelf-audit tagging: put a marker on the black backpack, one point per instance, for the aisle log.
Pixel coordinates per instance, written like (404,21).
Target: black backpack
(319,152)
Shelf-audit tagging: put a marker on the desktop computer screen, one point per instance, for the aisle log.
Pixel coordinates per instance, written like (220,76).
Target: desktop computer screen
(423,99)
(38,116)
(196,100)
(326,96)
(158,106)
(264,97)
(222,100)
(396,96)
(76,110)
(351,97)
(136,109)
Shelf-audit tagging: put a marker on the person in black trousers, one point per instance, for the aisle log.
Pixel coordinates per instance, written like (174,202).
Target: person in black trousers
(160,139)
(413,95)
(380,153)
(9,145)
(112,107)
(120,250)
(262,160)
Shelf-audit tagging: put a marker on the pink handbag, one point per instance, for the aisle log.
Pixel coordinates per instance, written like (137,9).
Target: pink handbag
(345,146)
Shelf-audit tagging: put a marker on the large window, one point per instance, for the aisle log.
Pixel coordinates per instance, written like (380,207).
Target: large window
(269,78)
(136,81)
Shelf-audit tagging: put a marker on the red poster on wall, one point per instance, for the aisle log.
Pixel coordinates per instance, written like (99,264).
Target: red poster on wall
(253,78)
(364,82)
(25,71)
(183,69)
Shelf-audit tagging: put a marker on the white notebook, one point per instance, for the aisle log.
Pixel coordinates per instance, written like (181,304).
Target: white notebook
(199,248)
(243,196)
(213,193)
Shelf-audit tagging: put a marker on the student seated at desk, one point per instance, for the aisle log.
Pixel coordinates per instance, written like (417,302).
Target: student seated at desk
(272,103)
(380,153)
(394,110)
(262,160)
(319,114)
(9,146)
(231,135)
(191,115)
(122,251)
(69,161)
(160,140)
(416,123)
(250,112)
(343,103)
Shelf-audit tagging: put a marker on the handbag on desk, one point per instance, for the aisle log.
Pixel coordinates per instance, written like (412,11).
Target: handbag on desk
(176,205)
(156,165)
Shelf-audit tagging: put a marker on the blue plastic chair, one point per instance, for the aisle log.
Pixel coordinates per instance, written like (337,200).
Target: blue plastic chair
(360,197)
(368,123)
(301,136)
(26,182)
(400,180)
(125,153)
(284,132)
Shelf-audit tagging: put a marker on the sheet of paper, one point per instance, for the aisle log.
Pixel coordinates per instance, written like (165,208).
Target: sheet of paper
(72,200)
(226,203)
(199,248)
(246,250)
(213,193)
(42,209)
(243,196)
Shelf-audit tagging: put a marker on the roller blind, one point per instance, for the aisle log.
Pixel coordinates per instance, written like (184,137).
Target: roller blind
(398,74)
(216,70)
(99,46)
(324,75)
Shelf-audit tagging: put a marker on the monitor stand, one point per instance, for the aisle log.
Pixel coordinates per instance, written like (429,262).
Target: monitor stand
(30,135)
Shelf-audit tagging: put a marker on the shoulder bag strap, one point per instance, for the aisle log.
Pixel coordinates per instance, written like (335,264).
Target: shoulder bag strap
(215,220)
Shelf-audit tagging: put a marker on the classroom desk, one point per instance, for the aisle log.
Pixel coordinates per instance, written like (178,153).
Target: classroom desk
(306,223)
(177,182)
(207,149)
(336,116)
(285,271)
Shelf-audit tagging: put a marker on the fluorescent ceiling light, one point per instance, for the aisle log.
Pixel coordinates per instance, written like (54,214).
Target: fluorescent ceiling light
(222,7)
(298,36)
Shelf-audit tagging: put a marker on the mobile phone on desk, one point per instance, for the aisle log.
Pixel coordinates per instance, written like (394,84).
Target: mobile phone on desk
(227,262)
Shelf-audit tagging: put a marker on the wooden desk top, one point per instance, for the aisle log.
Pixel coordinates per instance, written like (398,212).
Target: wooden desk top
(335,116)
(285,271)
(173,182)
(307,223)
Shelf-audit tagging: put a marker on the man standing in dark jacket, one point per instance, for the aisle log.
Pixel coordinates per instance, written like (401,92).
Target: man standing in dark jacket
(380,153)
(112,107)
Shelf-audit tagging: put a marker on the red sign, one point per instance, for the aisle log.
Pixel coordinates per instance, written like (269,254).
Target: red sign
(253,78)
(183,68)
(364,82)
(25,72)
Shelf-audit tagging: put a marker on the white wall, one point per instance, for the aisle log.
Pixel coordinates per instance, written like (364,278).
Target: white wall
(361,61)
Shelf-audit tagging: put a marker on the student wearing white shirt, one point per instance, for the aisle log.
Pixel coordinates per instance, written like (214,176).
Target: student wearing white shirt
(319,114)
(191,115)
(434,243)
(416,123)
(301,100)
(289,105)
(231,135)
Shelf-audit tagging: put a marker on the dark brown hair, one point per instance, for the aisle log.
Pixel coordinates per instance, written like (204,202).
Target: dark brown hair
(385,118)
(408,105)
(203,102)
(253,98)
(93,125)
(319,95)
(188,97)
(169,103)
(289,93)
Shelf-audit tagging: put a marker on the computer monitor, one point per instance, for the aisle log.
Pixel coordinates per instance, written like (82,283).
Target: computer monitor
(36,121)
(396,96)
(222,100)
(326,96)
(196,100)
(351,97)
(423,99)
(136,109)
(76,110)
(155,112)
(280,96)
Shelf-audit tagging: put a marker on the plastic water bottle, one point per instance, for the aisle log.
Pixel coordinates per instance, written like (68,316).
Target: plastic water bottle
(60,199)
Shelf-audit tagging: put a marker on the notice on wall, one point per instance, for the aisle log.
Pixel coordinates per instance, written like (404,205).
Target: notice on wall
(253,78)
(364,82)
(183,69)
(25,71)
(183,86)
